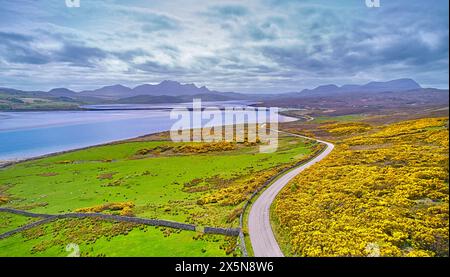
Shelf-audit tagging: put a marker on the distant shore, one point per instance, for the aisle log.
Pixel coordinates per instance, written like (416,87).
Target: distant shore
(7,163)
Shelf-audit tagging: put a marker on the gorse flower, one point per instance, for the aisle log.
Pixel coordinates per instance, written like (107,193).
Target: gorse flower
(388,187)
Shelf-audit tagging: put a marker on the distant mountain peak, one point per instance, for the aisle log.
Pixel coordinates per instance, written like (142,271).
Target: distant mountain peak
(169,88)
(400,80)
(169,82)
(328,86)
(403,84)
(60,90)
(117,86)
(393,85)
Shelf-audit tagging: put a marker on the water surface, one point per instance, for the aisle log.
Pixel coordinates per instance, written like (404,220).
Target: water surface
(30,134)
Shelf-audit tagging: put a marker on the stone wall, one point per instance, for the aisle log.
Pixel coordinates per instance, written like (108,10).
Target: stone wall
(138,220)
(24,213)
(222,231)
(26,227)
(145,221)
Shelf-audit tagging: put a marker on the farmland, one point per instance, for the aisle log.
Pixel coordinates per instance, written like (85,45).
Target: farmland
(196,183)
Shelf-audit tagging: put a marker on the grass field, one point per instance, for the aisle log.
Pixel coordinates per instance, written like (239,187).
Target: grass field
(10,221)
(111,239)
(185,182)
(340,118)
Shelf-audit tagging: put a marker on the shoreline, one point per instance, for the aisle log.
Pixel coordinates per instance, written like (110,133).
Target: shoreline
(40,110)
(85,107)
(7,163)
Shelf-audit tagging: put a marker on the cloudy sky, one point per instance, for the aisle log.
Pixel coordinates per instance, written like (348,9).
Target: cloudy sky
(244,46)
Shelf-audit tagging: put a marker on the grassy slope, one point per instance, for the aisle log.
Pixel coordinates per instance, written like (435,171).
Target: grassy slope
(154,184)
(145,241)
(11,102)
(341,118)
(10,221)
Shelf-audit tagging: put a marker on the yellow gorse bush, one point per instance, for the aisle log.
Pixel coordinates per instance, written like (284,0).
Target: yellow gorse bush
(189,148)
(124,208)
(346,128)
(385,192)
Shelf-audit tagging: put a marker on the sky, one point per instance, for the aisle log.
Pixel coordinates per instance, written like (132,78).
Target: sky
(243,46)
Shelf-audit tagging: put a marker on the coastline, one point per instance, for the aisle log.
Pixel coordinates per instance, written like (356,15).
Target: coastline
(92,107)
(7,163)
(42,110)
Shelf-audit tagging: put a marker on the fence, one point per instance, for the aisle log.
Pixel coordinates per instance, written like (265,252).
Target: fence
(145,221)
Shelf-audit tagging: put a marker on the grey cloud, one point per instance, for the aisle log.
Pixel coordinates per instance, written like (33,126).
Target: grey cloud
(230,10)
(14,37)
(361,44)
(152,21)
(130,54)
(220,13)
(79,55)
(16,48)
(264,31)
(285,42)
(157,23)
(161,69)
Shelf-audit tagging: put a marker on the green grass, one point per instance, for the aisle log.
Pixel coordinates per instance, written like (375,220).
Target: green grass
(156,184)
(340,118)
(139,241)
(10,221)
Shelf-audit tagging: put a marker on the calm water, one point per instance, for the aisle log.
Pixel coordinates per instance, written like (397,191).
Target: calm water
(30,134)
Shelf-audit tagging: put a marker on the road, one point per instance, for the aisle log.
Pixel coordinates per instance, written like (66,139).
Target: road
(262,238)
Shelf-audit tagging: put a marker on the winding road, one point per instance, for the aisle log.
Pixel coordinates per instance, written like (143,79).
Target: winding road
(260,230)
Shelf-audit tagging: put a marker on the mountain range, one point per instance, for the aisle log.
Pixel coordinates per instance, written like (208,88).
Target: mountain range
(393,86)
(167,88)
(174,92)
